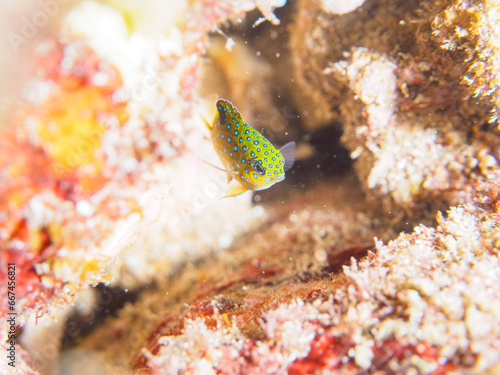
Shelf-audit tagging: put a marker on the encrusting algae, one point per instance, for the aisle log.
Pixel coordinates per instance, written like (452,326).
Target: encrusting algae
(262,284)
(249,158)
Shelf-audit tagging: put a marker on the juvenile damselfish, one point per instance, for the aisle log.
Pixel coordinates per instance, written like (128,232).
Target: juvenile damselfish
(251,161)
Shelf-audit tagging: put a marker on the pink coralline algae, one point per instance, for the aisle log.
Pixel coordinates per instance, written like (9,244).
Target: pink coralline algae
(399,91)
(88,155)
(436,316)
(379,252)
(92,153)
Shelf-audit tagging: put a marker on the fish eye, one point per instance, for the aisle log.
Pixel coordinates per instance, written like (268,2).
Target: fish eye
(258,168)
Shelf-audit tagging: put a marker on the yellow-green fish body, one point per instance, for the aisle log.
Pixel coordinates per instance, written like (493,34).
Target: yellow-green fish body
(247,155)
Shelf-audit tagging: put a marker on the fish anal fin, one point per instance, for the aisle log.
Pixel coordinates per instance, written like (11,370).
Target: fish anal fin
(234,189)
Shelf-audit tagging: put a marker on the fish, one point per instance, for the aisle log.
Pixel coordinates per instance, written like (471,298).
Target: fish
(251,162)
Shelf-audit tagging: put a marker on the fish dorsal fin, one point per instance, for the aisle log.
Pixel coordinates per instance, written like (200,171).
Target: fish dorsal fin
(208,110)
(230,173)
(288,153)
(228,112)
(234,189)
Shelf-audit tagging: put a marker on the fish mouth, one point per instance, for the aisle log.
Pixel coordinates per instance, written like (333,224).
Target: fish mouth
(280,178)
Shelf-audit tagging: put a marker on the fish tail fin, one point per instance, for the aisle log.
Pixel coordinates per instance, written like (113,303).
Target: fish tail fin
(208,110)
(288,153)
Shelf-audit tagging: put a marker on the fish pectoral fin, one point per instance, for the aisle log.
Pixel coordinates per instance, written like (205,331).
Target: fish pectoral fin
(229,173)
(288,152)
(234,189)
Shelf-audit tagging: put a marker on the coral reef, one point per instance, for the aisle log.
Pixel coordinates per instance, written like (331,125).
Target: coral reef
(97,150)
(101,149)
(472,30)
(399,96)
(424,302)
(128,262)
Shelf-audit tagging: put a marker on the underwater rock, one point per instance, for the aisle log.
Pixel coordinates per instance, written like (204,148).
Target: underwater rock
(296,253)
(276,301)
(340,7)
(101,184)
(472,31)
(400,97)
